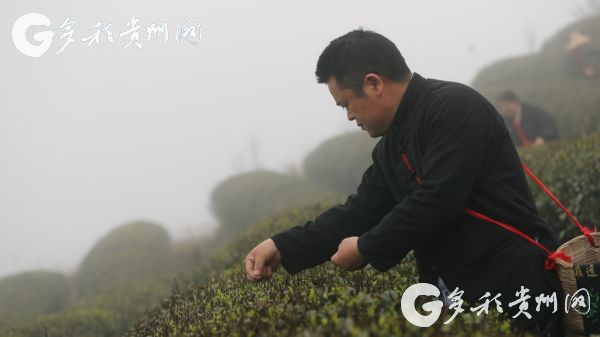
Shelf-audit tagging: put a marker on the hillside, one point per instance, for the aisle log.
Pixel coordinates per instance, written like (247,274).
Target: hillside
(545,79)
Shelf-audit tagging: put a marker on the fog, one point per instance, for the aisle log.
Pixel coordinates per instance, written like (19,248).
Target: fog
(100,135)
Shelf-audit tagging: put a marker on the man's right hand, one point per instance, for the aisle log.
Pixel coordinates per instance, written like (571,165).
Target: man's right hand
(262,261)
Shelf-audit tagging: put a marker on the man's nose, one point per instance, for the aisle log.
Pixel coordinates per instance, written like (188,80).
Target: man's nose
(350,116)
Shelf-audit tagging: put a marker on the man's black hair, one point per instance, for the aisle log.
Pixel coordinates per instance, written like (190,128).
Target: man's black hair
(351,56)
(508,96)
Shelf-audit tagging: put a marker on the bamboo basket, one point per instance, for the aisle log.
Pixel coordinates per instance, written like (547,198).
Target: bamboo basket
(580,250)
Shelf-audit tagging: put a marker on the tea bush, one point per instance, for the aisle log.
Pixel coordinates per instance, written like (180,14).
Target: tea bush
(90,322)
(126,273)
(572,171)
(27,295)
(339,162)
(245,199)
(138,250)
(322,301)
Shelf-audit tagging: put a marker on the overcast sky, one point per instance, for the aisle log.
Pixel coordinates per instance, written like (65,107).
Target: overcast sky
(96,136)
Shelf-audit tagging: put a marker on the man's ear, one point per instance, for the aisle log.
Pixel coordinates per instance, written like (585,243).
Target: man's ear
(372,81)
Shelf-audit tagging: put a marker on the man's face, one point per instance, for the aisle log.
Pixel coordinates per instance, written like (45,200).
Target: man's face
(508,109)
(368,110)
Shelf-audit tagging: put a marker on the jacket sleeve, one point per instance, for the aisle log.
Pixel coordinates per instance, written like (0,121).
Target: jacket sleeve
(456,134)
(316,241)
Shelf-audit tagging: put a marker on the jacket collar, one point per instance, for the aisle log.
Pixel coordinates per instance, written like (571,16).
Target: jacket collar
(410,97)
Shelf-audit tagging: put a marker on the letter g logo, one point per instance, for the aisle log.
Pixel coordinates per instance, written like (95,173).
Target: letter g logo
(411,314)
(19,34)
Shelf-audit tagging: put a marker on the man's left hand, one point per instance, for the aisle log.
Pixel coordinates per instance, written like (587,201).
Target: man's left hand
(347,256)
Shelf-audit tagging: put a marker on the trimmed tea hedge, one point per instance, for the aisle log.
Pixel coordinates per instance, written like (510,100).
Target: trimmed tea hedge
(136,251)
(322,301)
(90,322)
(247,198)
(125,274)
(339,162)
(572,172)
(27,295)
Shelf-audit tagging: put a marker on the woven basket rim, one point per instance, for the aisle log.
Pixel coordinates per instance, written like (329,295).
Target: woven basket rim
(595,237)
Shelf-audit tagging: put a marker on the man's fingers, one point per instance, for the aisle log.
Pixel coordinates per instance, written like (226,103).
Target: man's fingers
(265,271)
(262,261)
(249,264)
(334,258)
(259,262)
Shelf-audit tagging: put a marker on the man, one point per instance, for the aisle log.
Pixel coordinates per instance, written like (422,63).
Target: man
(527,124)
(443,148)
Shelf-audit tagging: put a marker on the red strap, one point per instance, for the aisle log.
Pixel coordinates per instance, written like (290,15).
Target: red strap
(552,256)
(410,168)
(582,229)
